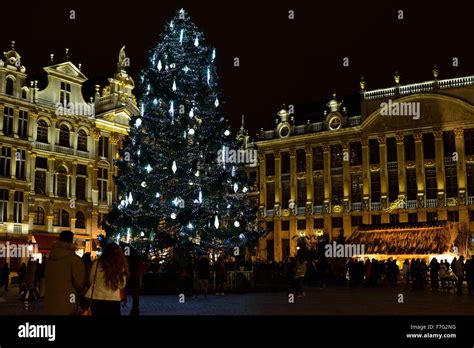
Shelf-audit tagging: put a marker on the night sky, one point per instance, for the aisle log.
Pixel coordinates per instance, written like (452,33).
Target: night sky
(295,61)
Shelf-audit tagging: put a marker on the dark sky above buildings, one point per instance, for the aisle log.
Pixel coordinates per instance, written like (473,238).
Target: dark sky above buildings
(294,61)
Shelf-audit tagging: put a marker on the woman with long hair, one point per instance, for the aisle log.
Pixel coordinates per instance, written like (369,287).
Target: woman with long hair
(107,277)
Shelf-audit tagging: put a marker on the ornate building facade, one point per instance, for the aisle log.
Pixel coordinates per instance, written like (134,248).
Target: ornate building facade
(408,157)
(57,151)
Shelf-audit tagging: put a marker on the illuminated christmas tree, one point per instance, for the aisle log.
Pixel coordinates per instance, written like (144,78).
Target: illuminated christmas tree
(176,191)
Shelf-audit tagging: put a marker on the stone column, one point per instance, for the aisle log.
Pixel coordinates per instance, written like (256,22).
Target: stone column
(420,174)
(73,179)
(2,109)
(309,189)
(439,150)
(292,233)
(346,179)
(383,177)
(293,178)
(461,165)
(50,176)
(277,244)
(365,181)
(30,171)
(278,193)
(32,126)
(403,215)
(327,189)
(11,201)
(16,113)
(13,163)
(89,182)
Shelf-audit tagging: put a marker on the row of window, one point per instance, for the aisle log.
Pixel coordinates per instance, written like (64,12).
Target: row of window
(356,220)
(64,94)
(354,154)
(356,186)
(42,132)
(60,218)
(61,184)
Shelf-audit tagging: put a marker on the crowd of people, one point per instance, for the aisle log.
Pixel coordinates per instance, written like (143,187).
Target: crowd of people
(416,273)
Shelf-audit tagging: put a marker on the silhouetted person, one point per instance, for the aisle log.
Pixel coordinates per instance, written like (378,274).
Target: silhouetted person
(434,273)
(5,276)
(470,275)
(65,277)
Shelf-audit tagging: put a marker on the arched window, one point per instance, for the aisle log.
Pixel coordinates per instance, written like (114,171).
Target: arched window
(42,132)
(64,136)
(61,177)
(82,140)
(23,94)
(39,216)
(61,218)
(9,86)
(80,220)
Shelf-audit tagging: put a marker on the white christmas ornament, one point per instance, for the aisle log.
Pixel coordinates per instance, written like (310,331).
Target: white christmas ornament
(138,122)
(143,184)
(174,85)
(155,101)
(227,132)
(197,173)
(174,168)
(196,42)
(148,168)
(191,113)
(236,187)
(200,196)
(216,222)
(245,189)
(208,76)
(139,152)
(142,109)
(216,103)
(159,65)
(157,195)
(130,198)
(213,54)
(142,234)
(191,131)
(173,216)
(237,224)
(172,108)
(181,34)
(190,226)
(186,69)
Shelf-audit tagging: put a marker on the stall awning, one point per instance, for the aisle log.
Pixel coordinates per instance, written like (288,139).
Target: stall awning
(45,241)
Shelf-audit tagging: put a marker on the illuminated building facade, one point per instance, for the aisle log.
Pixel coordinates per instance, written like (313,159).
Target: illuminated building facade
(408,157)
(57,151)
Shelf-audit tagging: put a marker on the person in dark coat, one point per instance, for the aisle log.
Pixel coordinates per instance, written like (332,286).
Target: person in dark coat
(137,269)
(470,275)
(21,276)
(434,273)
(221,275)
(204,274)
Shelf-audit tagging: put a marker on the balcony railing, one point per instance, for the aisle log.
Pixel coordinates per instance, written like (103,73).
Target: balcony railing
(18,228)
(270,213)
(354,120)
(82,153)
(356,206)
(42,146)
(64,150)
(412,204)
(375,206)
(448,160)
(431,203)
(470,200)
(318,209)
(392,165)
(301,210)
